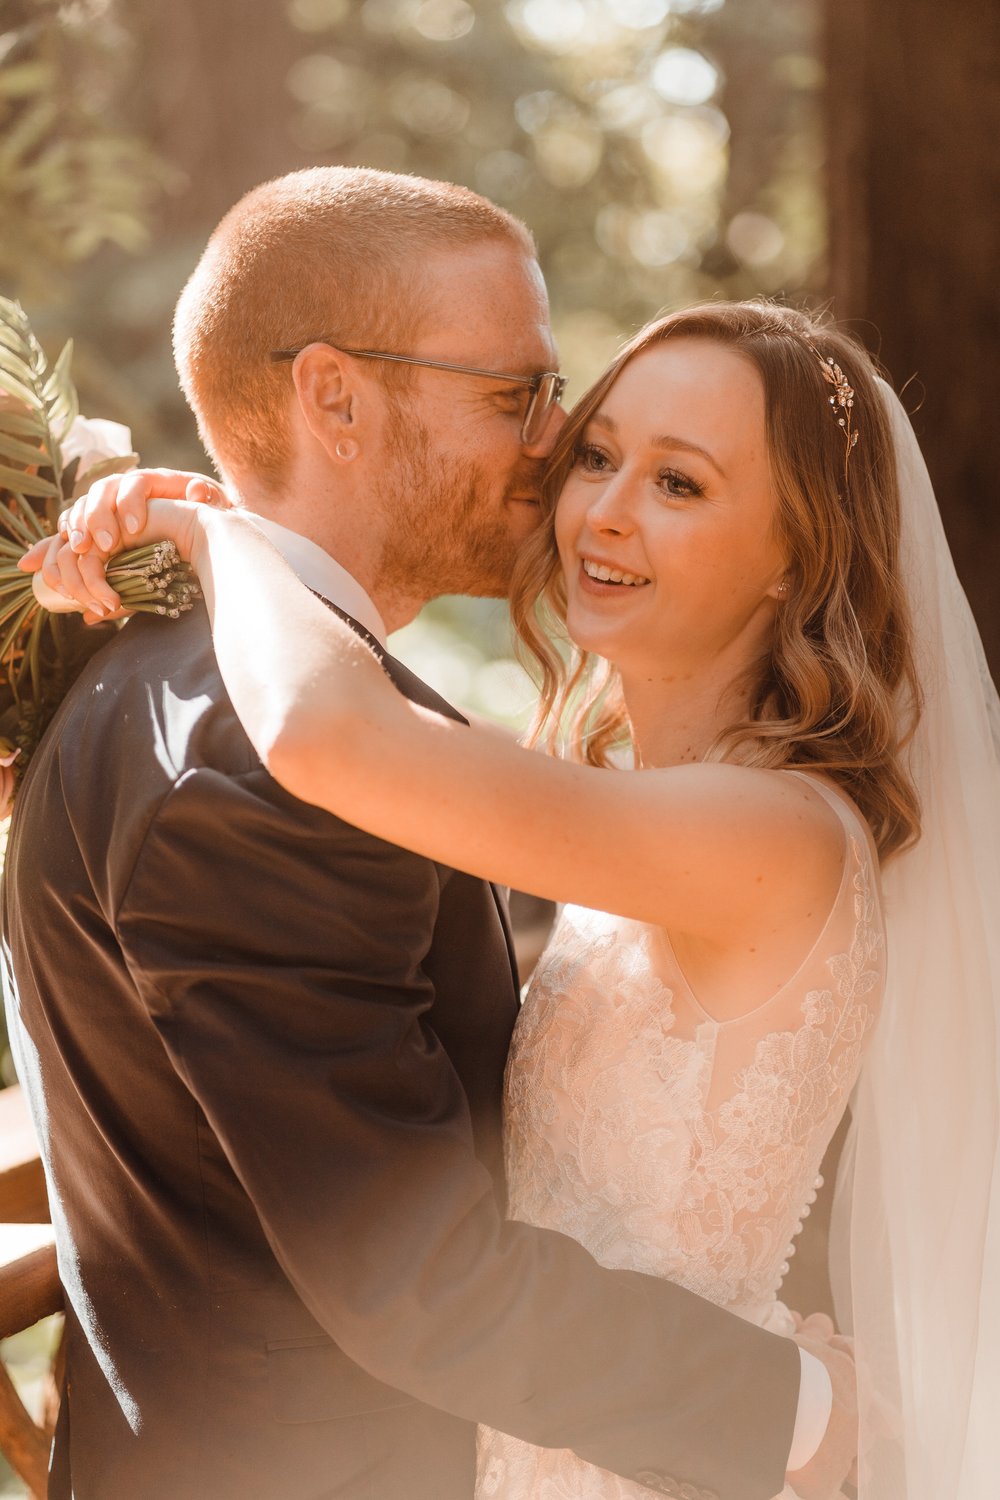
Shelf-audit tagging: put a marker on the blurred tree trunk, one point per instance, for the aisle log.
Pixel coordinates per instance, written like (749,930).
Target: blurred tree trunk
(914,180)
(913,120)
(211,94)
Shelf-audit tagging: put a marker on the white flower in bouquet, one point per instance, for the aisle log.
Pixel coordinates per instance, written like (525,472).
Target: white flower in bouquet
(92,441)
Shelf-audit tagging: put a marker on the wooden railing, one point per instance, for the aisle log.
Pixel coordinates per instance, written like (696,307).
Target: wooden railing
(29,1286)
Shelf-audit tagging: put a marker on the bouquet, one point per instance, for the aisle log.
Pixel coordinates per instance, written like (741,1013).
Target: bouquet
(49,455)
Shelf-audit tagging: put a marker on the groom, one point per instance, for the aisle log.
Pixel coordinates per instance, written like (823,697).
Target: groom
(264,1050)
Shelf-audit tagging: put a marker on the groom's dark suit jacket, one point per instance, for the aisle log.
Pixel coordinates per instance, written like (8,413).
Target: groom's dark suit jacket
(265,1053)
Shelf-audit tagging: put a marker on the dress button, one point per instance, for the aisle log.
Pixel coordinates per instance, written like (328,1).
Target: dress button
(819,1182)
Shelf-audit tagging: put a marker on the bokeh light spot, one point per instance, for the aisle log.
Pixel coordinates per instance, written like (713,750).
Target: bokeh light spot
(319,79)
(317,15)
(638,15)
(625,107)
(683,76)
(800,71)
(429,107)
(389,17)
(612,228)
(568,155)
(552,23)
(532,111)
(755,239)
(688,152)
(658,239)
(444,20)
(695,7)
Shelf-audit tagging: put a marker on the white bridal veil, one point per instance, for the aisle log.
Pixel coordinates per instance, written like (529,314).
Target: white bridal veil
(917,1213)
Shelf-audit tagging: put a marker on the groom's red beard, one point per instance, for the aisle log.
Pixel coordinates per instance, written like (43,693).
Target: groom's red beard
(454,530)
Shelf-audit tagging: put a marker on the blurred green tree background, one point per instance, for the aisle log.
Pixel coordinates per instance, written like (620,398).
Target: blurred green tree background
(661,151)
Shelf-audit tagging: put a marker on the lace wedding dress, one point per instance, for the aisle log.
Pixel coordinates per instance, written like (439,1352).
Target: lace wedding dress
(670,1143)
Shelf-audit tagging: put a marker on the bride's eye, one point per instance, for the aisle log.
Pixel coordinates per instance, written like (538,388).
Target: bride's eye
(680,485)
(591,458)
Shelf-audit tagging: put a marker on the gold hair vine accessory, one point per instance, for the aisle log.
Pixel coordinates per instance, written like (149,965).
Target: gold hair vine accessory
(843,397)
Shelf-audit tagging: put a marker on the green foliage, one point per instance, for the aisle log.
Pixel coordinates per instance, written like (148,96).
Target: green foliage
(37,409)
(41,654)
(70,181)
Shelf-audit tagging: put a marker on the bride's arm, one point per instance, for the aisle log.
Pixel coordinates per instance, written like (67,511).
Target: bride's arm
(703,849)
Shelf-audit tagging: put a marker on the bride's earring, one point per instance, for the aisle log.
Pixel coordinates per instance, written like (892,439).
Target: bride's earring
(784,589)
(347,449)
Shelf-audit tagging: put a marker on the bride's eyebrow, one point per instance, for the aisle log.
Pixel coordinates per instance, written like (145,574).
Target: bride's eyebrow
(601,419)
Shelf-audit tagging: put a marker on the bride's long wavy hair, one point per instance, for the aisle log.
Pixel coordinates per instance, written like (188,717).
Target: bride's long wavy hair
(837,691)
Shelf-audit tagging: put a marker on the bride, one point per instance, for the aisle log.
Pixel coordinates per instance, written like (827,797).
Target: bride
(806,841)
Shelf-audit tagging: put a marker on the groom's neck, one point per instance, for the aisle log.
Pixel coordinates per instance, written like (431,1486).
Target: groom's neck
(352,535)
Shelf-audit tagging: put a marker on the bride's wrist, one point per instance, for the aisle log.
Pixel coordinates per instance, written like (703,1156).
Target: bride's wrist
(202,524)
(210,529)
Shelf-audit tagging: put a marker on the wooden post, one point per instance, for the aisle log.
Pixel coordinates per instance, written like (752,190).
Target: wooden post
(25,1446)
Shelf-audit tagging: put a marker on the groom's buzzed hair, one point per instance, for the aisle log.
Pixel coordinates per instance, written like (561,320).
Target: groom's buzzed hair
(332,252)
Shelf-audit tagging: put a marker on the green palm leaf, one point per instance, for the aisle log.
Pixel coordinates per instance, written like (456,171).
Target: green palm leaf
(13,363)
(20,620)
(45,397)
(8,338)
(21,423)
(28,484)
(18,451)
(41,654)
(29,517)
(59,395)
(20,391)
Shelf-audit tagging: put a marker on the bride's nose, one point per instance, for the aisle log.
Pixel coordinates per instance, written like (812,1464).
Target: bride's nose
(612,509)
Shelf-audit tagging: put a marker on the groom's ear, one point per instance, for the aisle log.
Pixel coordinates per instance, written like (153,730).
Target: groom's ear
(327,392)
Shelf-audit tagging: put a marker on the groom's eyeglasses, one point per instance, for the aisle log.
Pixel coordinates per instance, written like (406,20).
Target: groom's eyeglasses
(546,390)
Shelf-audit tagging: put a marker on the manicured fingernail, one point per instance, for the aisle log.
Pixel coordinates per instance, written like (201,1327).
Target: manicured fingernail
(105,541)
(132,524)
(75,538)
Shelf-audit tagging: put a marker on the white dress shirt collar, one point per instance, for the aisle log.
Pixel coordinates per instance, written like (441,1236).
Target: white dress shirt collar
(323,574)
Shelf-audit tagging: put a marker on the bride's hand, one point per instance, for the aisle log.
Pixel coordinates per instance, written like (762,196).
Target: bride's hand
(110,517)
(112,514)
(76,575)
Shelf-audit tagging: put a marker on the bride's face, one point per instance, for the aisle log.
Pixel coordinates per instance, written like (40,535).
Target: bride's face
(671,488)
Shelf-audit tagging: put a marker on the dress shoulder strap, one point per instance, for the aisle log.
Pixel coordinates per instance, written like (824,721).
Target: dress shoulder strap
(850,817)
